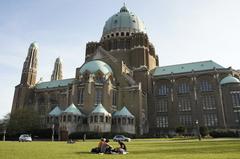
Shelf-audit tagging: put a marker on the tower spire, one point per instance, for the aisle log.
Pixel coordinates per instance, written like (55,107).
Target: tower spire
(29,71)
(57,71)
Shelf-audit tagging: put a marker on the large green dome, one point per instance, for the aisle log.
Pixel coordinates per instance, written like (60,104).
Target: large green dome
(96,65)
(123,21)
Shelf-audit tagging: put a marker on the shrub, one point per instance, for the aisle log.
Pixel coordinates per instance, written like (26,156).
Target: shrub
(180,130)
(223,133)
(95,135)
(37,134)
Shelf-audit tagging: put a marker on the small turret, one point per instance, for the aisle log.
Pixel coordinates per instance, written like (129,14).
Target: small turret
(57,71)
(29,72)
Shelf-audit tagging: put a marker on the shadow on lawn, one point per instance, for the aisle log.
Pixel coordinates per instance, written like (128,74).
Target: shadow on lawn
(83,152)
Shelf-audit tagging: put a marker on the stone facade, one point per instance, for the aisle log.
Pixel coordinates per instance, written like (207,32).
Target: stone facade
(121,74)
(182,99)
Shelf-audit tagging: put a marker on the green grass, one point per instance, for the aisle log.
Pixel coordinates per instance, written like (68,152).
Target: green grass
(138,149)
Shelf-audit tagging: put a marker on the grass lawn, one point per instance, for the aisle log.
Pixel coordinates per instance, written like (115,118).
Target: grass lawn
(145,149)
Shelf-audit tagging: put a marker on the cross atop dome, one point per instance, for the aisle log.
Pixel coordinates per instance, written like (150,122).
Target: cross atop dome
(124,8)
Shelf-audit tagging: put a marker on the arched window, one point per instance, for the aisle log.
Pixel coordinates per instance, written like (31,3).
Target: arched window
(205,86)
(119,120)
(132,121)
(163,90)
(95,118)
(114,98)
(98,96)
(101,118)
(124,121)
(184,104)
(106,119)
(91,119)
(69,118)
(99,78)
(56,119)
(183,88)
(114,121)
(81,96)
(129,121)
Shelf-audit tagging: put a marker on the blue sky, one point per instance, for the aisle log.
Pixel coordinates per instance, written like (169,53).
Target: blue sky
(181,31)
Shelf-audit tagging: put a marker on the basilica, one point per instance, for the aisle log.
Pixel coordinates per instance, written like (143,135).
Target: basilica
(121,88)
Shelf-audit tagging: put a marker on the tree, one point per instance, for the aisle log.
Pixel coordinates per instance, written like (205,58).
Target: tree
(180,130)
(203,131)
(4,122)
(24,120)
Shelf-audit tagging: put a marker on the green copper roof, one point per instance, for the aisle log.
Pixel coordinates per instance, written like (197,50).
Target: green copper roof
(123,21)
(95,65)
(54,84)
(229,79)
(56,111)
(123,112)
(188,67)
(100,109)
(73,110)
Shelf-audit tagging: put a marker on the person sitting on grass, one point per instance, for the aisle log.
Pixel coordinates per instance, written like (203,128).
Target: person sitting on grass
(122,145)
(98,149)
(122,149)
(102,141)
(106,147)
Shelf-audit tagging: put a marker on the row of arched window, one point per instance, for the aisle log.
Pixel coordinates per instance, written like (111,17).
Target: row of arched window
(123,121)
(100,119)
(64,118)
(117,34)
(98,96)
(92,119)
(184,87)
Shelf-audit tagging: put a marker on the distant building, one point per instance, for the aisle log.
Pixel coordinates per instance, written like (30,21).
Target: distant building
(120,88)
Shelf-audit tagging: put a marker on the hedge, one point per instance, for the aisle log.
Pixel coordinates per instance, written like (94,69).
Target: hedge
(95,135)
(224,133)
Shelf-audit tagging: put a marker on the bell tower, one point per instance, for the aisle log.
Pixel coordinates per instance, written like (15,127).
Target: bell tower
(57,71)
(29,71)
(28,79)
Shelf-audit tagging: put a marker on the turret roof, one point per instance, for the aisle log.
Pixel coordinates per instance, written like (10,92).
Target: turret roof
(100,109)
(56,111)
(73,110)
(123,112)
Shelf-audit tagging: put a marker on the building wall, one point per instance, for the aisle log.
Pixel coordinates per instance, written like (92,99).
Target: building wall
(181,99)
